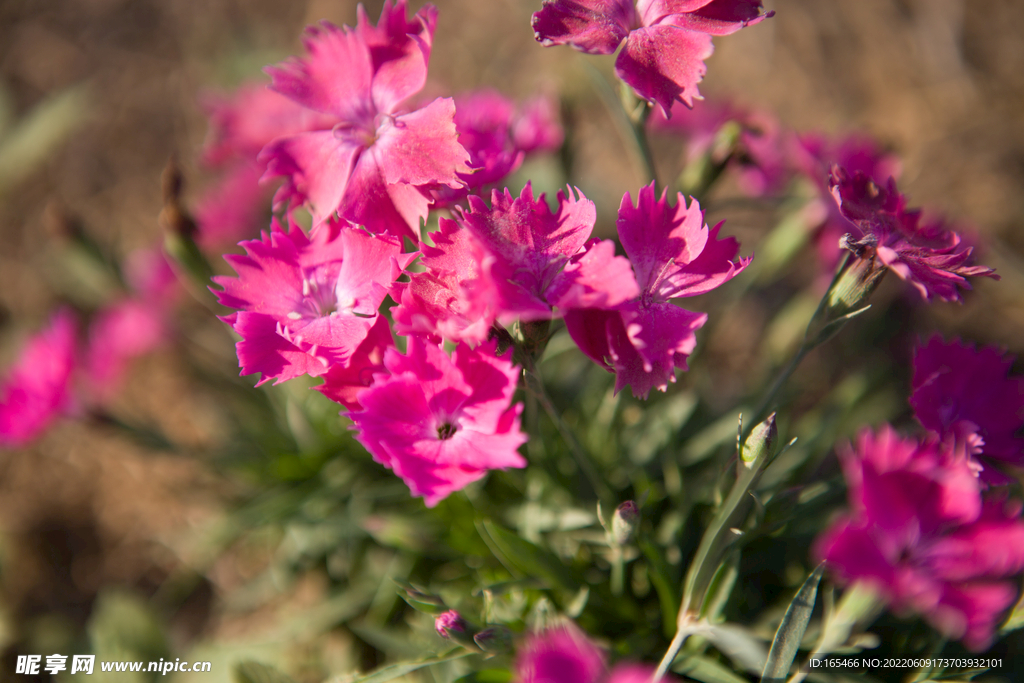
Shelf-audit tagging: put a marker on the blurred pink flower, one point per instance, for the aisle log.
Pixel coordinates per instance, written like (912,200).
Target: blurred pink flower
(441,423)
(37,388)
(449,621)
(121,332)
(666,41)
(306,303)
(562,654)
(376,163)
(966,394)
(931,258)
(498,136)
(920,534)
(674,254)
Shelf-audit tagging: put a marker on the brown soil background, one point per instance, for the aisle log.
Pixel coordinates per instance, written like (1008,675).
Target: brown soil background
(940,82)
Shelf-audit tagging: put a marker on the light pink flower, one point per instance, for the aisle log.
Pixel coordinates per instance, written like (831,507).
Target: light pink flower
(931,258)
(449,621)
(234,207)
(674,254)
(562,654)
(306,303)
(37,388)
(441,423)
(666,41)
(921,535)
(375,165)
(966,394)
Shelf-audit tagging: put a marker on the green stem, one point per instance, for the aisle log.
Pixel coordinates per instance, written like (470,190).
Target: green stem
(631,124)
(618,571)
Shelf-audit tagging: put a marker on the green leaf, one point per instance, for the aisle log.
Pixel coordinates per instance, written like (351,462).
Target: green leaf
(256,672)
(791,630)
(705,670)
(526,558)
(393,671)
(660,572)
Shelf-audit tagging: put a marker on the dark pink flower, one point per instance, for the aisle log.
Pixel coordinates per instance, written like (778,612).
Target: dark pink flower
(562,654)
(966,394)
(441,423)
(922,536)
(37,389)
(666,41)
(674,254)
(544,259)
(633,673)
(376,163)
(306,303)
(928,256)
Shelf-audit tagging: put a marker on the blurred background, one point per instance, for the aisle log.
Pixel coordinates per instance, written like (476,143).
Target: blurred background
(97,95)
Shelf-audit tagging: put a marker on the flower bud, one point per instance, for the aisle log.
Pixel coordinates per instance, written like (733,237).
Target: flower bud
(494,640)
(624,523)
(449,624)
(761,445)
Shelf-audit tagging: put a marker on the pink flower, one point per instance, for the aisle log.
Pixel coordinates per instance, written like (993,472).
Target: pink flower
(234,207)
(514,260)
(342,383)
(375,164)
(674,254)
(633,673)
(932,259)
(307,303)
(453,298)
(38,387)
(441,423)
(966,394)
(666,41)
(921,535)
(562,654)
(543,260)
(498,136)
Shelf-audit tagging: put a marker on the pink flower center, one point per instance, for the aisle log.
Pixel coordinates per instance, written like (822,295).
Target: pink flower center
(319,299)
(446,431)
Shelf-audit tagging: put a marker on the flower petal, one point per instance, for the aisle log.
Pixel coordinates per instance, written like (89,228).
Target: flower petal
(664,64)
(592,26)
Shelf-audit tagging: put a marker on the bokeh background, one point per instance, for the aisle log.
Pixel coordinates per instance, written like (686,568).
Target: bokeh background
(97,95)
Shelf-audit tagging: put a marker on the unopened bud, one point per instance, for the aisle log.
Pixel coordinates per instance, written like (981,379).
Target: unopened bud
(761,445)
(494,640)
(449,624)
(624,523)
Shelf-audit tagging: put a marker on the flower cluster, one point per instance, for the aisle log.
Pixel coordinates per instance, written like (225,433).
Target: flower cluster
(309,304)
(921,530)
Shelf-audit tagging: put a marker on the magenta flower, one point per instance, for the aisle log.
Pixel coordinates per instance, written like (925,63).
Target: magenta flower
(666,41)
(562,654)
(921,535)
(342,383)
(375,164)
(307,303)
(634,673)
(441,423)
(453,298)
(514,260)
(966,394)
(37,388)
(883,232)
(543,260)
(674,255)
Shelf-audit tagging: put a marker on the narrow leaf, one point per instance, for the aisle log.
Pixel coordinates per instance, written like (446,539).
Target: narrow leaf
(393,671)
(527,558)
(791,630)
